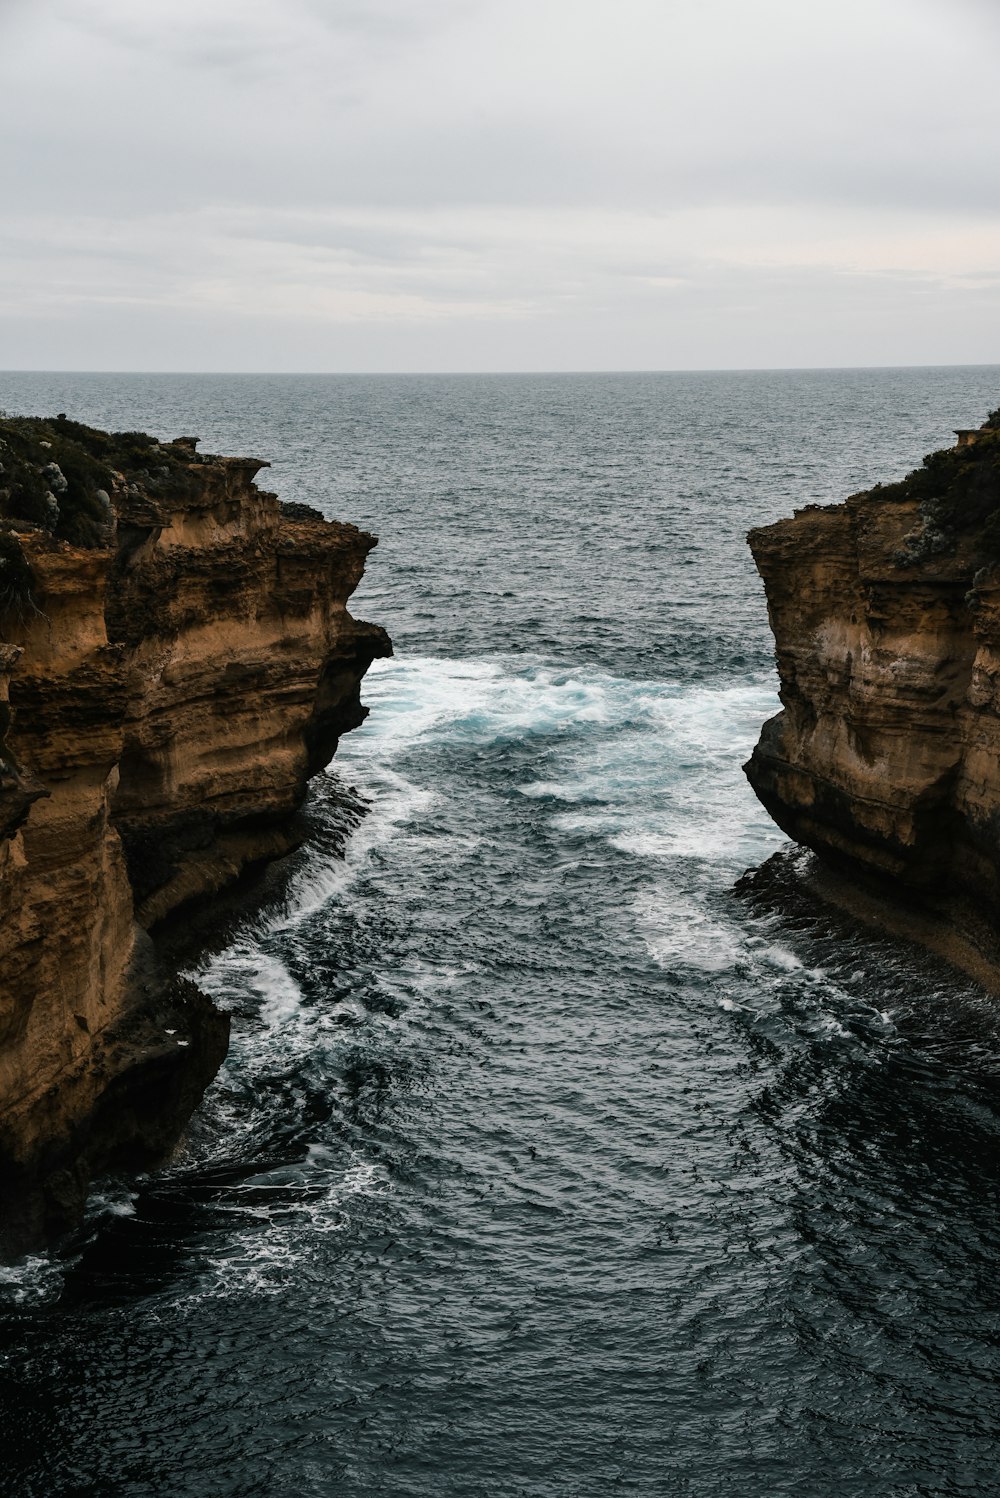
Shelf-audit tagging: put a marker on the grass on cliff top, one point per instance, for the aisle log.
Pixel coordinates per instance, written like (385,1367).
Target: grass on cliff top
(57,474)
(958,489)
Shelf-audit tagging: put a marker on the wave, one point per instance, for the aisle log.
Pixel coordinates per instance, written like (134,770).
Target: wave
(652,766)
(489,699)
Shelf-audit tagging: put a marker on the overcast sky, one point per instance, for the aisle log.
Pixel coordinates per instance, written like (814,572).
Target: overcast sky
(498,184)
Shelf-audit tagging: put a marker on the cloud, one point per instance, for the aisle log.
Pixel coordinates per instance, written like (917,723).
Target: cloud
(471,163)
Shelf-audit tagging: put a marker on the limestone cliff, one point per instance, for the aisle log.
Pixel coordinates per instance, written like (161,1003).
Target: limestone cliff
(886,617)
(177,660)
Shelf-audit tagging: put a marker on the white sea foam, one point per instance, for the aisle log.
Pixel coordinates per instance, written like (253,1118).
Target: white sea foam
(746,972)
(678,929)
(248,974)
(32,1281)
(117,1200)
(781,958)
(427,698)
(393,802)
(269,1245)
(258,976)
(668,783)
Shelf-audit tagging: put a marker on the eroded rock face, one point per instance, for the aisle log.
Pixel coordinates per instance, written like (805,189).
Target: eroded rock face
(164,698)
(886,617)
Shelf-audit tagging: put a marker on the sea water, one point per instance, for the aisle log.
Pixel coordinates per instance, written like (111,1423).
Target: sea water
(543,1163)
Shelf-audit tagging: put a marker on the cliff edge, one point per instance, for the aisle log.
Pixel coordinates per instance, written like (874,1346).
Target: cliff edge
(886,757)
(176,660)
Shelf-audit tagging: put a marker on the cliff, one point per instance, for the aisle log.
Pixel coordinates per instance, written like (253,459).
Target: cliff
(886,757)
(176,660)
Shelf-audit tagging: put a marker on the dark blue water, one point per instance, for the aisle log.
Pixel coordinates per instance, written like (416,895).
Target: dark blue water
(543,1164)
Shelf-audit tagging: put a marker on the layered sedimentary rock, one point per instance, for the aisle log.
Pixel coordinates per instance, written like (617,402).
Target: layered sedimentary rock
(166,690)
(886,757)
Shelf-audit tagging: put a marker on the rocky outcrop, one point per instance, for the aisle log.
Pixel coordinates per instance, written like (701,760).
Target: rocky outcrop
(886,757)
(169,680)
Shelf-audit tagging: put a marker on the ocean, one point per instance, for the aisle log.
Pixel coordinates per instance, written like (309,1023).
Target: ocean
(544,1163)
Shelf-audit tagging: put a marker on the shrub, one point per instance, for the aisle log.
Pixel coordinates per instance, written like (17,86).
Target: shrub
(958,490)
(16,601)
(86,459)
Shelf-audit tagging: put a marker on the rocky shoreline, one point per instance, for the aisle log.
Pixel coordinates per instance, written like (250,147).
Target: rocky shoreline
(177,660)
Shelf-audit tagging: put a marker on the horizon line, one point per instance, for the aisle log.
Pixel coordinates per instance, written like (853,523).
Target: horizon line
(496,373)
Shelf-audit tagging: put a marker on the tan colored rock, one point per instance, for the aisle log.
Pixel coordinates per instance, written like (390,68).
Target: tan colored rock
(886,757)
(167,705)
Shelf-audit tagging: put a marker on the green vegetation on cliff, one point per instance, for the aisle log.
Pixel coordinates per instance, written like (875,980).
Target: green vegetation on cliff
(958,490)
(59,475)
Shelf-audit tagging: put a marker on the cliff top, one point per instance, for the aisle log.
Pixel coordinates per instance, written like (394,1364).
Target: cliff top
(60,475)
(958,492)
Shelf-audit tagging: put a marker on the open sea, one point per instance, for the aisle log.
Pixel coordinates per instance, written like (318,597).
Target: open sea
(544,1163)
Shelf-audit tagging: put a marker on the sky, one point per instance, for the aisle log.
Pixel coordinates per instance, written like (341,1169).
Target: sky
(445,185)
